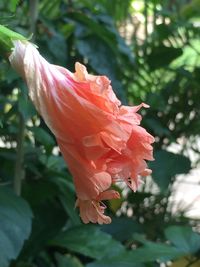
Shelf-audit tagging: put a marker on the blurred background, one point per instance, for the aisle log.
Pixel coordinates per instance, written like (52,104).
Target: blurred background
(151,52)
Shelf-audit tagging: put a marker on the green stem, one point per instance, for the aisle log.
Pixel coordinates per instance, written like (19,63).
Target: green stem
(33,9)
(19,170)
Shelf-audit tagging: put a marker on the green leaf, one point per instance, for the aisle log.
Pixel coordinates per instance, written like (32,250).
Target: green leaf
(25,107)
(183,238)
(162,56)
(15,225)
(124,259)
(43,136)
(166,166)
(58,48)
(157,126)
(13,5)
(122,228)
(52,162)
(49,218)
(67,261)
(155,251)
(67,198)
(138,197)
(39,191)
(89,241)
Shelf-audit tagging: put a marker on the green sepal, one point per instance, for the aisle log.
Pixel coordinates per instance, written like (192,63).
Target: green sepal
(7,37)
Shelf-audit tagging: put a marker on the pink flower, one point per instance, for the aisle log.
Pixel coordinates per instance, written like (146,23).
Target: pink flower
(100,139)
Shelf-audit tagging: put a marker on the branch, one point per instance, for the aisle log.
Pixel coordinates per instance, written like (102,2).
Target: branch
(19,170)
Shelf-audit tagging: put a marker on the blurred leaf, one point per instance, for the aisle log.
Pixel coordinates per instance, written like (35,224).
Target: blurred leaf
(166,166)
(94,26)
(39,191)
(23,264)
(58,48)
(49,217)
(164,31)
(25,106)
(138,197)
(154,252)
(43,136)
(89,241)
(67,198)
(191,9)
(162,56)
(50,9)
(151,252)
(53,162)
(183,238)
(67,261)
(122,228)
(186,262)
(13,5)
(121,260)
(15,225)
(157,126)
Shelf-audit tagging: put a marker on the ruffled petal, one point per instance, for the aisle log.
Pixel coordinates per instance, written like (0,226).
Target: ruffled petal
(92,211)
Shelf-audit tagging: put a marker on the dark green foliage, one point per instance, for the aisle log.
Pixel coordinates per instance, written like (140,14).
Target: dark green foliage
(166,166)
(99,244)
(42,228)
(15,225)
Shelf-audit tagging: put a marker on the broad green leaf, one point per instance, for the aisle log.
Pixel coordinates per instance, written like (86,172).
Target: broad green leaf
(15,225)
(166,166)
(89,241)
(124,259)
(122,228)
(67,198)
(67,261)
(49,216)
(155,251)
(183,238)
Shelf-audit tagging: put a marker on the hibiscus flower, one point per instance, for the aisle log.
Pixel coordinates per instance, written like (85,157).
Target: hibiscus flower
(101,140)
